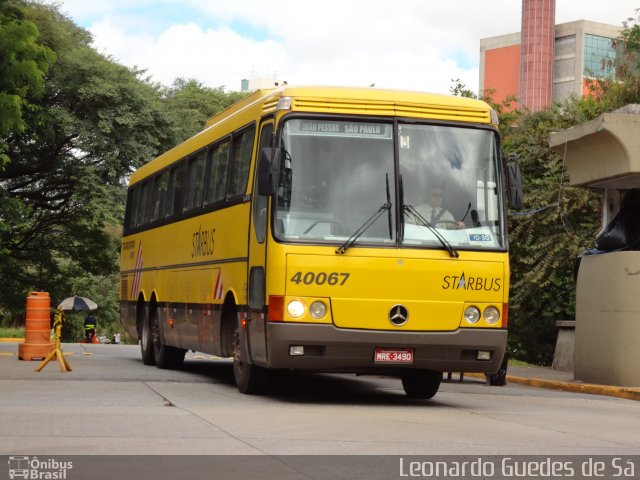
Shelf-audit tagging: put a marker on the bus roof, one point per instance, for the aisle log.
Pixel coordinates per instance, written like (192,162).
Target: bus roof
(368,100)
(337,100)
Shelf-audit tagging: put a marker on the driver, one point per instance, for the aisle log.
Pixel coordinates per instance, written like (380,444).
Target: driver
(435,213)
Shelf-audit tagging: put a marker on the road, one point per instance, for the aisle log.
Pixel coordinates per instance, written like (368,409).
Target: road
(111,403)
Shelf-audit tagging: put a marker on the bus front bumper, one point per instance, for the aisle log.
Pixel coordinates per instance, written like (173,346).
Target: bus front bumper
(327,348)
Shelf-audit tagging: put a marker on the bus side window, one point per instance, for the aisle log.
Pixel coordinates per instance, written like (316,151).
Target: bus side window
(132,211)
(176,181)
(143,215)
(217,173)
(137,205)
(240,162)
(160,195)
(195,181)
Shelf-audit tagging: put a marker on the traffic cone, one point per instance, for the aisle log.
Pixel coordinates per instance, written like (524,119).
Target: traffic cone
(37,342)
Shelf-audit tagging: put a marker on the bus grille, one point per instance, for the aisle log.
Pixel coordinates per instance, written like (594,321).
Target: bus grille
(358,107)
(124,287)
(270,106)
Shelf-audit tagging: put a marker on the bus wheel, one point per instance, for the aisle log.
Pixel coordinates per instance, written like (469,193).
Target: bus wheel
(421,383)
(250,379)
(166,356)
(146,340)
(499,379)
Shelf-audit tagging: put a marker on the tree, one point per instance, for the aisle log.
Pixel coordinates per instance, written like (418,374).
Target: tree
(624,87)
(544,246)
(94,122)
(561,222)
(62,193)
(23,63)
(190,104)
(459,89)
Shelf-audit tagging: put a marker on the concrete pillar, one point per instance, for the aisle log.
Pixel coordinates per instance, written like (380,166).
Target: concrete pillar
(537,44)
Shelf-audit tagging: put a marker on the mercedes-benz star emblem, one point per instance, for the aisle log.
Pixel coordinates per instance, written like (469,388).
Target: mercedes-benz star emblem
(398,315)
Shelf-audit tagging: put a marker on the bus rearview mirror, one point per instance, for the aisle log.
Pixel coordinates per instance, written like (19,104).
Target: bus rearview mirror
(267,171)
(514,186)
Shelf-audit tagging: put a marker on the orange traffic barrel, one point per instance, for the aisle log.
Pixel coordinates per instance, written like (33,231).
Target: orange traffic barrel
(37,342)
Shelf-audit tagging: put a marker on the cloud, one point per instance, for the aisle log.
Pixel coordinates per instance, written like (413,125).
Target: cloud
(422,71)
(222,57)
(214,57)
(413,44)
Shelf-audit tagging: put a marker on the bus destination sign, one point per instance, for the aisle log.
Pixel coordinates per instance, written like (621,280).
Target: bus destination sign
(341,129)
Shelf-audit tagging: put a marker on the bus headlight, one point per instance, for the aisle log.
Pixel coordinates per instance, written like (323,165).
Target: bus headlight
(296,308)
(318,310)
(491,315)
(472,314)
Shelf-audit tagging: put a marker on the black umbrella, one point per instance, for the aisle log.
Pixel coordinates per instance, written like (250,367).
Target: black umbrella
(77,303)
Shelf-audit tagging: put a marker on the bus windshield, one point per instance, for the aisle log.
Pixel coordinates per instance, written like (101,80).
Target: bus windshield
(338,179)
(450,181)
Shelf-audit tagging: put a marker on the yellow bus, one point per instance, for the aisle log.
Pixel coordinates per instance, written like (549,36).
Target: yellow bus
(324,229)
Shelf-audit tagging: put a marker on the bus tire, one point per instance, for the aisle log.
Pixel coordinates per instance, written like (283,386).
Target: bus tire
(146,338)
(168,357)
(165,356)
(422,384)
(499,379)
(250,379)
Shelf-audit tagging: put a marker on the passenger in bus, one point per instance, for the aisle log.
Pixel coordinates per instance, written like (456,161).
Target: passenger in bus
(435,213)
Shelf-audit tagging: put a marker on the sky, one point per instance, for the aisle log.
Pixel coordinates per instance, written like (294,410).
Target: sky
(407,44)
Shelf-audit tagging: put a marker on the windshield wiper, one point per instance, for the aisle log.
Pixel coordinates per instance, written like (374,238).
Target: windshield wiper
(358,233)
(389,216)
(370,221)
(410,210)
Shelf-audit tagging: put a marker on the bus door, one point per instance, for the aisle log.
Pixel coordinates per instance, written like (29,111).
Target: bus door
(257,258)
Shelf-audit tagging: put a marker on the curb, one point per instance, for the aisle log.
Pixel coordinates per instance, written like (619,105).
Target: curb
(11,340)
(629,393)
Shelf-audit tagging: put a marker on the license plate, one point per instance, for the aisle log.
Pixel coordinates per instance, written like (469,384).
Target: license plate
(388,355)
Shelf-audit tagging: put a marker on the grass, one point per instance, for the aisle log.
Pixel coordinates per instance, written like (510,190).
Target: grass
(7,332)
(519,363)
(76,333)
